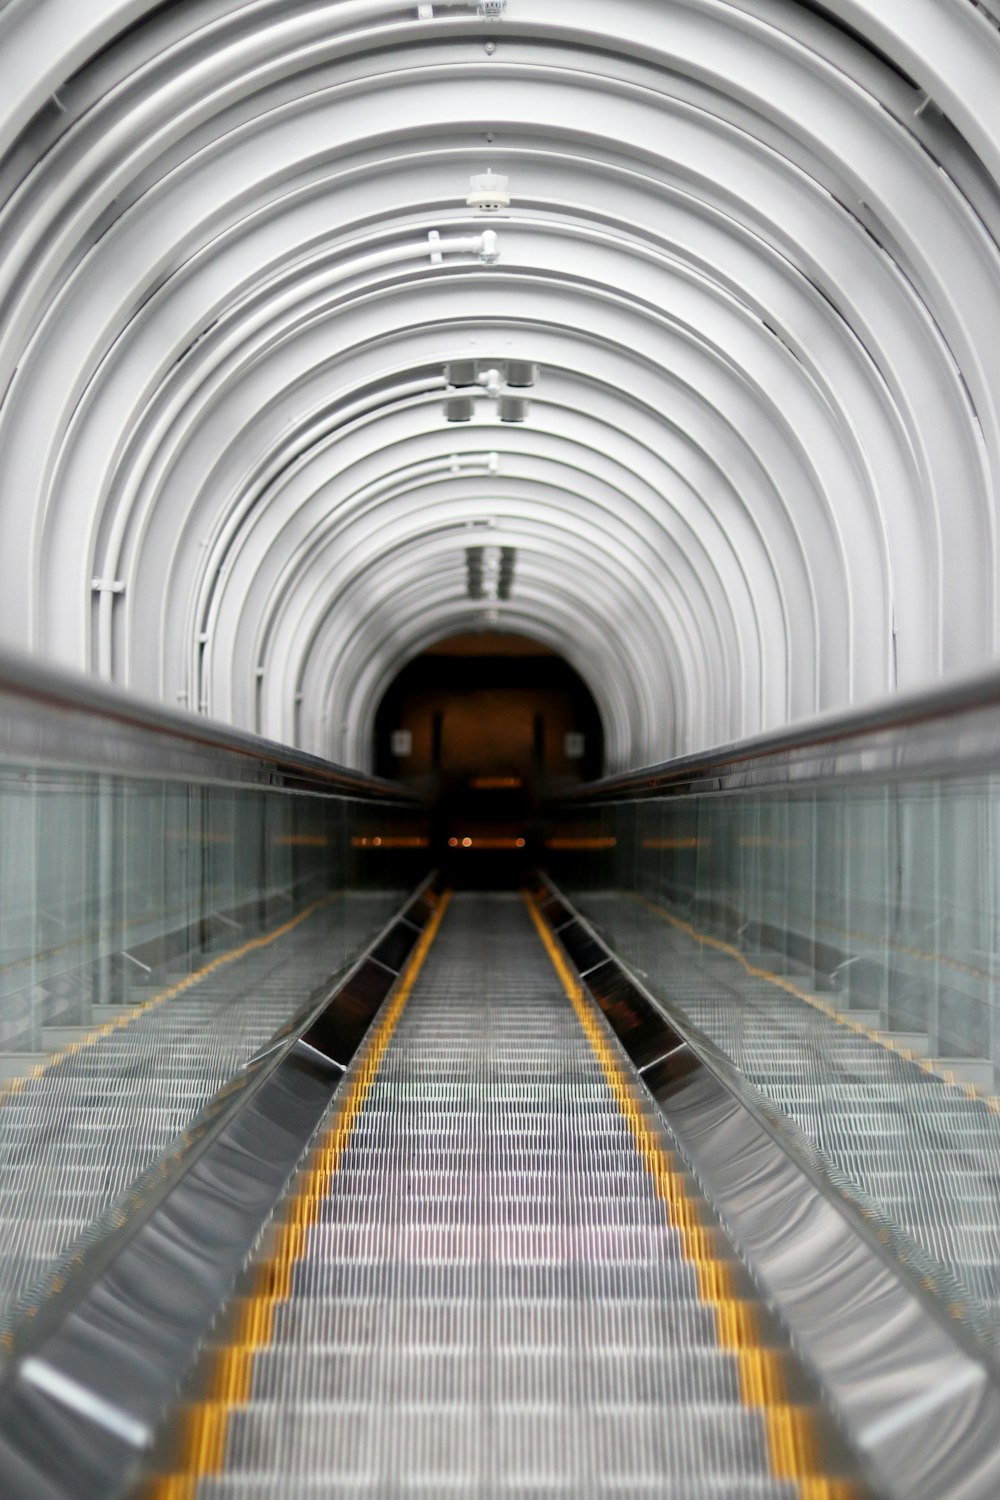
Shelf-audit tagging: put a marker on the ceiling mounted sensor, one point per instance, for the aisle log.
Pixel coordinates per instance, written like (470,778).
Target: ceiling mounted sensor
(512,409)
(489,192)
(491,10)
(521,373)
(461,372)
(459,409)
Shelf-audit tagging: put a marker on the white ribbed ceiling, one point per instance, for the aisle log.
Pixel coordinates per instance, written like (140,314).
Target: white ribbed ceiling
(751,248)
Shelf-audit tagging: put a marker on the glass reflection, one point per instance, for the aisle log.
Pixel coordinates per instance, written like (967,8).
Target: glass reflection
(154,936)
(840,945)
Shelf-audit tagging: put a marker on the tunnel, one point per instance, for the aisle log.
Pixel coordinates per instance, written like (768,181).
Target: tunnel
(499,718)
(488,727)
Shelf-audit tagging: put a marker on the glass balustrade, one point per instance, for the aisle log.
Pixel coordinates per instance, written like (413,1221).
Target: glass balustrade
(157,931)
(836,934)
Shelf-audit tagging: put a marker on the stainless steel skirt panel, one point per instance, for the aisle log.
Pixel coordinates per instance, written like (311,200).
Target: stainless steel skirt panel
(493,1300)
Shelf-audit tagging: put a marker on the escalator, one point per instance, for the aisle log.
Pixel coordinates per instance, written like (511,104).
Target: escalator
(675,1176)
(503,1280)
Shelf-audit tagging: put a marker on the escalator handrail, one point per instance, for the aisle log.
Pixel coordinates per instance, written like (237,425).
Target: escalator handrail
(52,717)
(950,729)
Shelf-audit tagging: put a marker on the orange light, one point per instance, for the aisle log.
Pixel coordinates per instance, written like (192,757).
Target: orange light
(489,843)
(495,783)
(412,842)
(566,843)
(453,843)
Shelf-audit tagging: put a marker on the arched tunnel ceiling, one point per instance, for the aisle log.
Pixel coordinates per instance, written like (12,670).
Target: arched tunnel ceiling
(751,248)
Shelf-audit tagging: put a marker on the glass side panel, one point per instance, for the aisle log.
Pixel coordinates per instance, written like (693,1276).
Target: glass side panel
(154,936)
(841,946)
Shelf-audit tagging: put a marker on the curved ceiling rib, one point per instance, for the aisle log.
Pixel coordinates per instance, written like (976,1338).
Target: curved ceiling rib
(750,254)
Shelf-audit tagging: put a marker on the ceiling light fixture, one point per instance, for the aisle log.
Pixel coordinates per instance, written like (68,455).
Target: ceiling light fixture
(489,192)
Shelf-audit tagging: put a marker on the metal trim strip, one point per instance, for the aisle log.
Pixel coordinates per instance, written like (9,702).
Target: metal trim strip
(126,1333)
(921,1402)
(950,730)
(52,719)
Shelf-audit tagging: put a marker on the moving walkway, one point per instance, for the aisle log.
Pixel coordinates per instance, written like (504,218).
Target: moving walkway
(340,1183)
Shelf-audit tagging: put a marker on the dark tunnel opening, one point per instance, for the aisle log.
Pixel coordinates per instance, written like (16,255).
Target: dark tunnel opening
(488,726)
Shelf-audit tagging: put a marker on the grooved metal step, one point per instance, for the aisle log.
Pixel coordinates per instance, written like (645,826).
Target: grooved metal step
(919,1146)
(492,1300)
(75,1139)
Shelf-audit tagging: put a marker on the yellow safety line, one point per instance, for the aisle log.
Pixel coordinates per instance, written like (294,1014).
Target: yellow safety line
(203,1443)
(946,1076)
(875,940)
(794,1445)
(16,1085)
(68,946)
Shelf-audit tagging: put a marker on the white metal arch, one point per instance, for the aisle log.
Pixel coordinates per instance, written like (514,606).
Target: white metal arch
(756,265)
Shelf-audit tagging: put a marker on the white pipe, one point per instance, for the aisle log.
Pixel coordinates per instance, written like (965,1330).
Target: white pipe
(471,244)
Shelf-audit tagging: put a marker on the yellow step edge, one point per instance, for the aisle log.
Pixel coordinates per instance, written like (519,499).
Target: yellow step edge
(205,1429)
(233,1375)
(763,1376)
(170,1487)
(738,1323)
(793,1442)
(718,1280)
(203,1445)
(254,1323)
(792,1435)
(823,1487)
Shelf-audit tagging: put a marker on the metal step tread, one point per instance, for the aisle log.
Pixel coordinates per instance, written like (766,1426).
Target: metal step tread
(493,1300)
(915,1143)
